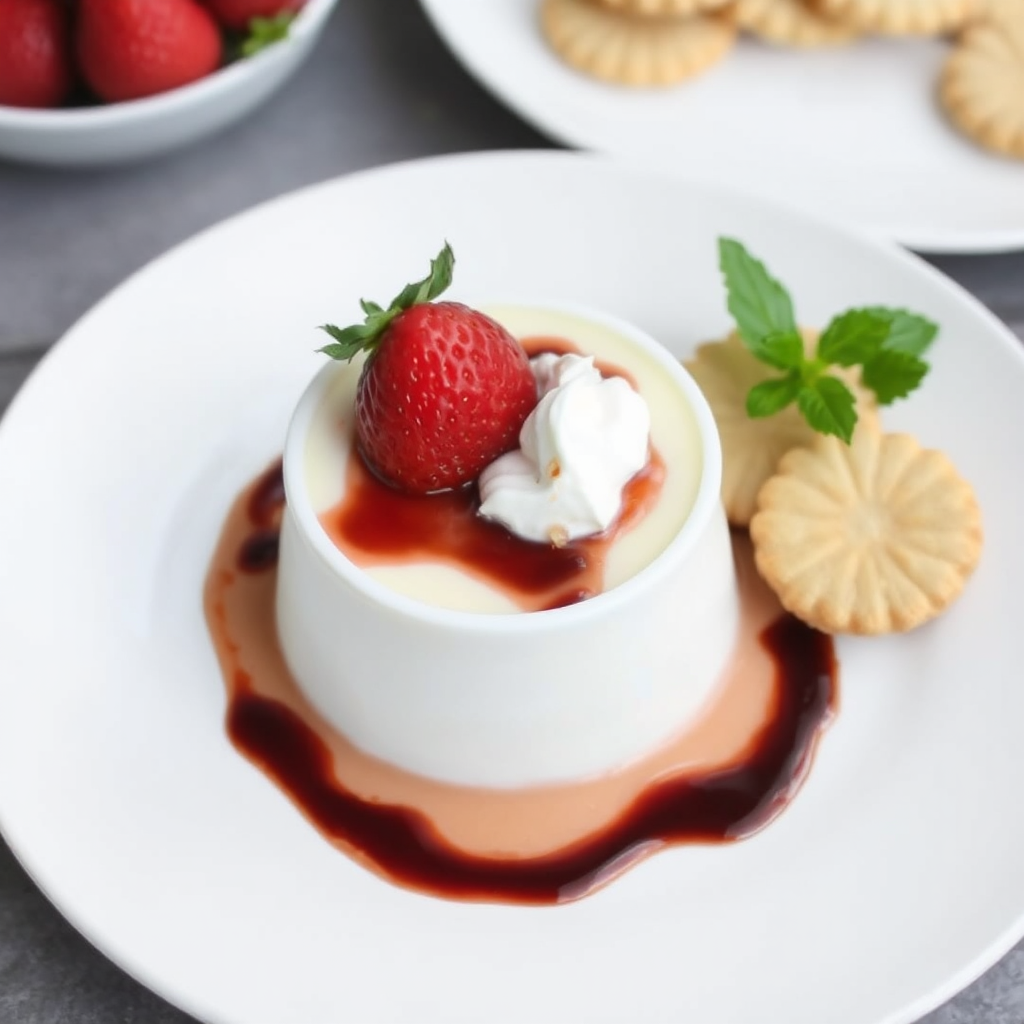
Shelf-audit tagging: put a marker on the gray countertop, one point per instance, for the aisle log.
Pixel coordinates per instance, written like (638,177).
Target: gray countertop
(380,87)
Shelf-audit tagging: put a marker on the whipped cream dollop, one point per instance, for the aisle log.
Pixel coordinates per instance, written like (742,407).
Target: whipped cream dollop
(586,438)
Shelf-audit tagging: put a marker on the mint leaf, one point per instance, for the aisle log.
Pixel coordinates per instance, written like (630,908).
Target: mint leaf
(783,351)
(828,406)
(908,332)
(772,396)
(853,337)
(893,374)
(760,305)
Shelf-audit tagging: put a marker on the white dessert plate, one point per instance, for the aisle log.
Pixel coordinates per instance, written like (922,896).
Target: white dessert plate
(891,882)
(851,132)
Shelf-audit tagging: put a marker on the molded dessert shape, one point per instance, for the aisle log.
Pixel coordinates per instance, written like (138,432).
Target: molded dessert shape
(399,659)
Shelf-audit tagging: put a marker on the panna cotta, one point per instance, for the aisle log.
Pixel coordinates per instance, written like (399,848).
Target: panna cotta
(442,578)
(544,663)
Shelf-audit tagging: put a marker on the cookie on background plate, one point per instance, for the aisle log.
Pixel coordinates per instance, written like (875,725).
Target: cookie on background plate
(982,84)
(903,17)
(791,23)
(877,536)
(628,50)
(664,7)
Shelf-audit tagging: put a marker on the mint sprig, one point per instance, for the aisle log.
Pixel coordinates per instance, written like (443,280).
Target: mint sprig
(885,343)
(366,336)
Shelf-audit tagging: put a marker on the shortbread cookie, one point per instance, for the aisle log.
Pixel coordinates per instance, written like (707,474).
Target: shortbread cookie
(873,537)
(791,23)
(902,17)
(629,50)
(982,85)
(665,7)
(725,371)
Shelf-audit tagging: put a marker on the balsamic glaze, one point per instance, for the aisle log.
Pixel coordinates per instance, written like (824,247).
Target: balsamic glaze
(714,807)
(265,508)
(378,520)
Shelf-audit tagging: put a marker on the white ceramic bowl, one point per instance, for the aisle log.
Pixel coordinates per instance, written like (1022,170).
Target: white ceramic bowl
(119,132)
(509,700)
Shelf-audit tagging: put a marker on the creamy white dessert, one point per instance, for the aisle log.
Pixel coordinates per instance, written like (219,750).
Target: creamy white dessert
(602,432)
(400,660)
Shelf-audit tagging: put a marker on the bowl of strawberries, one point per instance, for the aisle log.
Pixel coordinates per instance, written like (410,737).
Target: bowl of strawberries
(91,82)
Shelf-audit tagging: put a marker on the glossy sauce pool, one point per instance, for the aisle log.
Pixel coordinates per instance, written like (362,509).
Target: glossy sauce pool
(377,525)
(725,778)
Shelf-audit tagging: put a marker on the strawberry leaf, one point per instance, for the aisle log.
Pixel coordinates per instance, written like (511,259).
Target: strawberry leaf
(437,281)
(264,32)
(347,342)
(366,336)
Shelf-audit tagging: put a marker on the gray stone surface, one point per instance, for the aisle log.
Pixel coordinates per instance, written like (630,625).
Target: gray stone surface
(997,280)
(15,366)
(380,87)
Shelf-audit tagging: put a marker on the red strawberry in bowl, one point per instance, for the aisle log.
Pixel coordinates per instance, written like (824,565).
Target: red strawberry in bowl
(35,53)
(445,389)
(238,14)
(128,49)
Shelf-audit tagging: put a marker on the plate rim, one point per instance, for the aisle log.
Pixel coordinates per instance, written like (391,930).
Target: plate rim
(960,242)
(921,1005)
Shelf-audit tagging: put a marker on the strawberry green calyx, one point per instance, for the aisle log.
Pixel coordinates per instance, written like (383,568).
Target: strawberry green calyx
(264,32)
(365,337)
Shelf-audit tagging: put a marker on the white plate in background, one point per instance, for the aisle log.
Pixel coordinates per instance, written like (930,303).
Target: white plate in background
(854,132)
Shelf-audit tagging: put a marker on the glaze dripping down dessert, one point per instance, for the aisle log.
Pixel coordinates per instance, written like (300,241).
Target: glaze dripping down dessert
(483,624)
(722,780)
(596,648)
(487,625)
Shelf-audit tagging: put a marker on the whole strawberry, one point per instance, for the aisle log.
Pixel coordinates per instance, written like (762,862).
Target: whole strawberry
(238,14)
(35,53)
(128,49)
(445,389)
